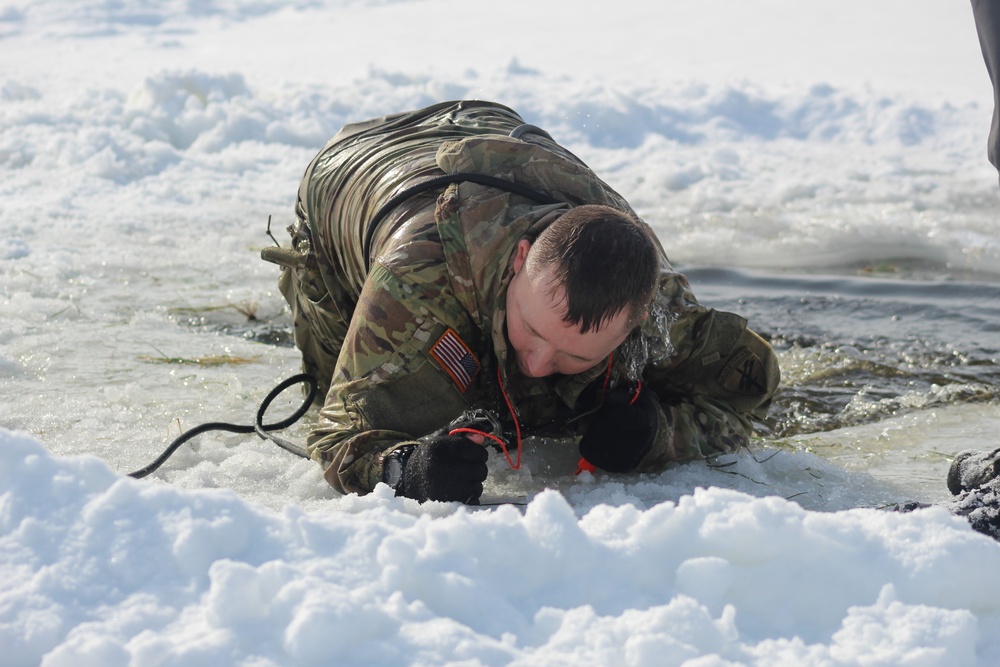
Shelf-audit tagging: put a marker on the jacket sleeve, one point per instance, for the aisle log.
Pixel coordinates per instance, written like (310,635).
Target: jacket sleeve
(711,373)
(388,389)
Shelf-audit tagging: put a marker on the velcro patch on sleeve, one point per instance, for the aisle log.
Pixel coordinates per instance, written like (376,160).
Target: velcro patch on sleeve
(744,373)
(455,357)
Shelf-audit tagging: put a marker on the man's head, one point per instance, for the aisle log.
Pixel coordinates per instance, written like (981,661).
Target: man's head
(579,290)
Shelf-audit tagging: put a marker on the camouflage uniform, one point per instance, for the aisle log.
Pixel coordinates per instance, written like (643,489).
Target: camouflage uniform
(405,345)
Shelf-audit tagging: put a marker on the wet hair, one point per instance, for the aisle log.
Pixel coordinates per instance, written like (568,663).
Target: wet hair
(605,259)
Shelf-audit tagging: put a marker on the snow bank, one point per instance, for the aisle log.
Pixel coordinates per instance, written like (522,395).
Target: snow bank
(105,570)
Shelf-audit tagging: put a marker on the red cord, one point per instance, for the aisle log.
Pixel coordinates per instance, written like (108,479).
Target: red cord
(517,425)
(638,390)
(496,439)
(583,463)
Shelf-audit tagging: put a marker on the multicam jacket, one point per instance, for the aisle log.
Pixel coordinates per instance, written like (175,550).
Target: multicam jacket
(398,297)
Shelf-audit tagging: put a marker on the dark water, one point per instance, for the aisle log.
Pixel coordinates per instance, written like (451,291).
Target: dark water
(858,349)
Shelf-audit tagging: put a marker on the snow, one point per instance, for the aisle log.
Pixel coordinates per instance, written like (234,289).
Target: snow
(143,146)
(105,570)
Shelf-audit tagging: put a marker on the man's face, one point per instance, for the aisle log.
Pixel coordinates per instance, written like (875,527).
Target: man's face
(543,344)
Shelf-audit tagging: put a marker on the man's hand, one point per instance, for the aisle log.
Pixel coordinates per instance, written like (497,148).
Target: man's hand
(446,467)
(622,431)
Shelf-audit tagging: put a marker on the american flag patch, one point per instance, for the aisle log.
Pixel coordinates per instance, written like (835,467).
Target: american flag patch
(456,359)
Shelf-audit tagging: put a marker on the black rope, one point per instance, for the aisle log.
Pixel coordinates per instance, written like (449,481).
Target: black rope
(259,427)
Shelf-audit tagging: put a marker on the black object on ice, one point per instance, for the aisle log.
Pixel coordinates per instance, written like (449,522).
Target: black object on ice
(259,427)
(974,478)
(972,469)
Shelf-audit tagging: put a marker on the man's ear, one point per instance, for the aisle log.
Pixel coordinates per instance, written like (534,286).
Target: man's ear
(521,254)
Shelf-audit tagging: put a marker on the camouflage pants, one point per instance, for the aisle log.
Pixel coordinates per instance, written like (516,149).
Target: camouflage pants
(321,308)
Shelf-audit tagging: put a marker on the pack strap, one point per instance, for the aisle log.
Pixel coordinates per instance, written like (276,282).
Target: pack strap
(439,182)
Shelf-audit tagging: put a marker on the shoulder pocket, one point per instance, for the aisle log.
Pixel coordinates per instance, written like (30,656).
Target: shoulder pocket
(413,391)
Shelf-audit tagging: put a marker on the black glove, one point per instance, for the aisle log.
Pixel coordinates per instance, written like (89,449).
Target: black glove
(623,429)
(446,467)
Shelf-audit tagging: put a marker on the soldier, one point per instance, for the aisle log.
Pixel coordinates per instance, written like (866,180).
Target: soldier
(454,258)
